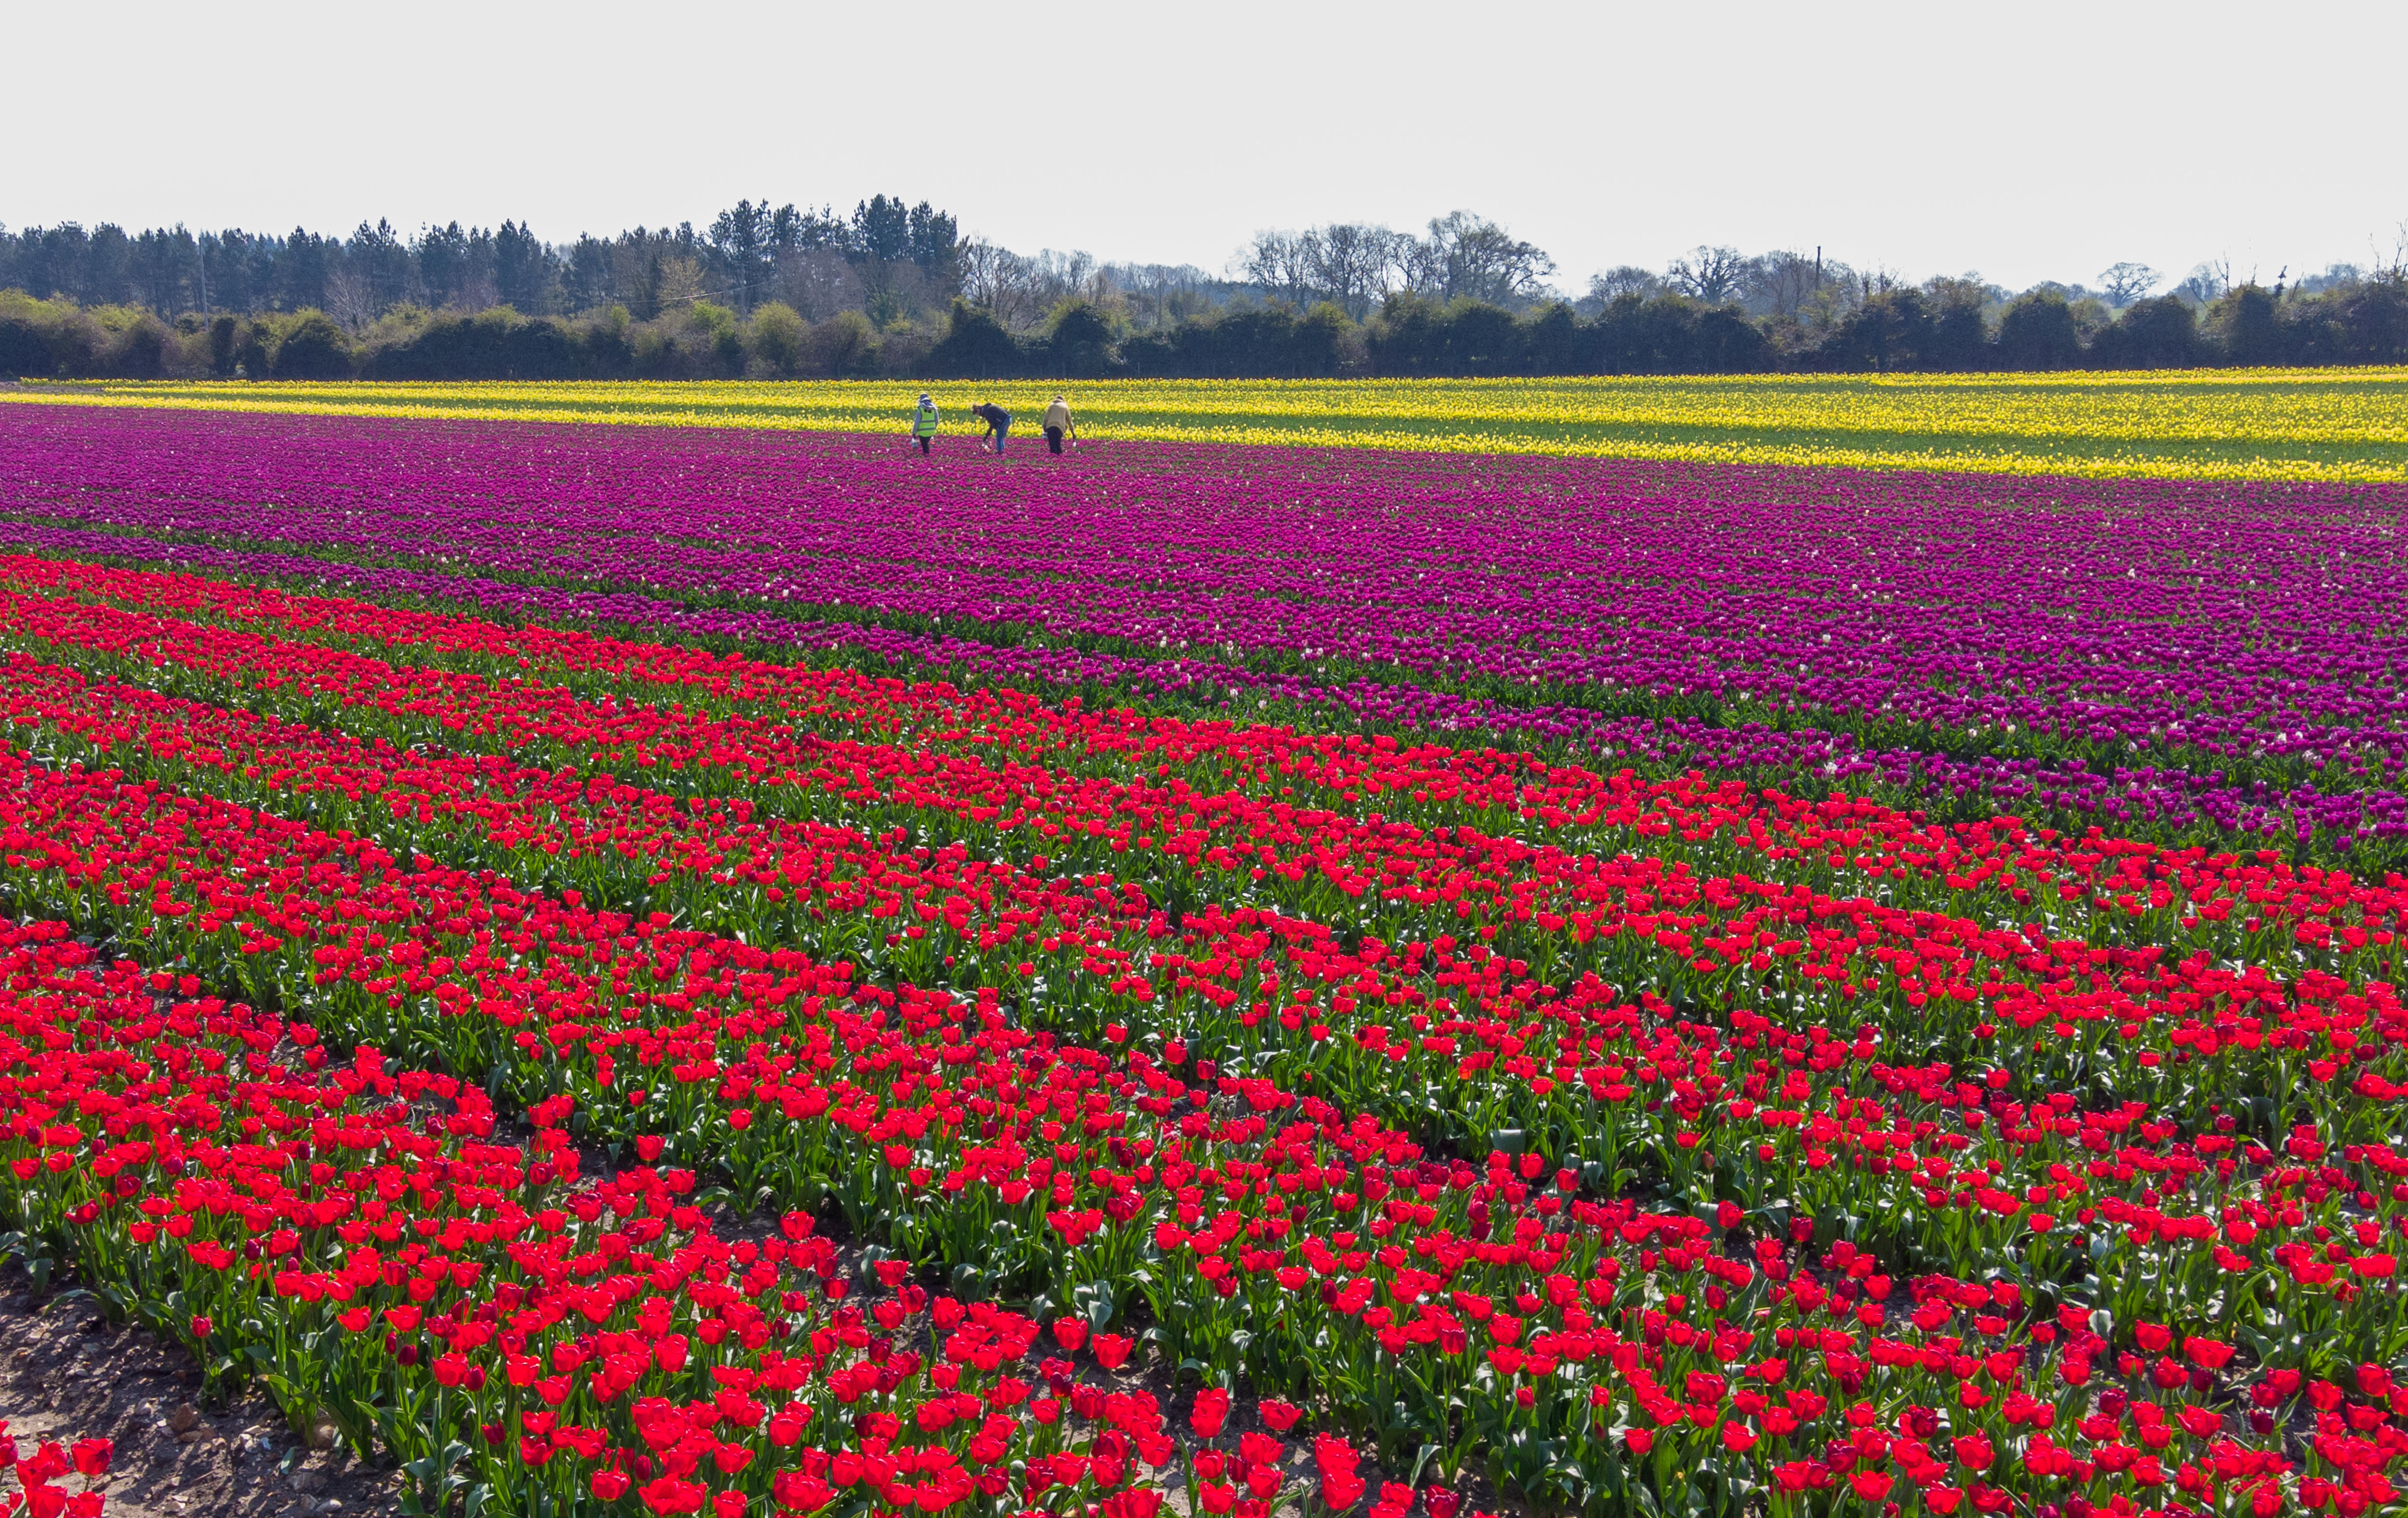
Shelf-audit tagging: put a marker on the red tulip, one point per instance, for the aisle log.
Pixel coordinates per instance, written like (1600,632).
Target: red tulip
(2207,1353)
(1210,1411)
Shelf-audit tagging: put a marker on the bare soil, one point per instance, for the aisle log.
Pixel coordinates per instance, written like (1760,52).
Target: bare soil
(66,1373)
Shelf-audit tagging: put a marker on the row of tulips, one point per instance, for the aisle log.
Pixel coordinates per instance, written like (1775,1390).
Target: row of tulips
(1806,1052)
(352,1236)
(1479,1053)
(2168,804)
(1547,909)
(730,725)
(2287,794)
(2218,627)
(2094,886)
(241,844)
(1653,1331)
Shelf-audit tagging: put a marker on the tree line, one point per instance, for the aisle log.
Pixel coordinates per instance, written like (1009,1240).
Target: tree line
(888,258)
(893,289)
(1896,330)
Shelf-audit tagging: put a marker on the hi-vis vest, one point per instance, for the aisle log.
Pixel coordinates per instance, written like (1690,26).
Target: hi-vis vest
(923,422)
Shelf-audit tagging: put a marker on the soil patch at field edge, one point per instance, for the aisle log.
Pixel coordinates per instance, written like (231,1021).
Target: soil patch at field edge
(66,1373)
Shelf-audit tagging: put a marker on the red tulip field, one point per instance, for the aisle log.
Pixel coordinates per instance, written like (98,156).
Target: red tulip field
(524,951)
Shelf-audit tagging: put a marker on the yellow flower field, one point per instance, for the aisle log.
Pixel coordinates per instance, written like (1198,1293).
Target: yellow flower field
(2262,424)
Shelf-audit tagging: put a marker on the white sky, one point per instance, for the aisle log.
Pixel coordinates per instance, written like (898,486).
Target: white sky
(2042,139)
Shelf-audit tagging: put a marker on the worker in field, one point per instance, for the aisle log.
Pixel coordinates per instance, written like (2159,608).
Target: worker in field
(998,422)
(1058,424)
(924,422)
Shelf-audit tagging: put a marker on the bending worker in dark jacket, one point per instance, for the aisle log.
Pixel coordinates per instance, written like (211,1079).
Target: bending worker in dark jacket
(997,419)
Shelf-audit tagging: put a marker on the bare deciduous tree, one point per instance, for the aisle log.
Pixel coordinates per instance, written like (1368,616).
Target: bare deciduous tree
(1356,264)
(1781,284)
(1712,275)
(1000,281)
(818,282)
(2394,265)
(351,299)
(2207,281)
(1160,294)
(1624,280)
(1352,265)
(1279,263)
(1467,255)
(2124,283)
(1071,276)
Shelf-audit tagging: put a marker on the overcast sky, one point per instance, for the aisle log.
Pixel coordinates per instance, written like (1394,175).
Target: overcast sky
(2027,141)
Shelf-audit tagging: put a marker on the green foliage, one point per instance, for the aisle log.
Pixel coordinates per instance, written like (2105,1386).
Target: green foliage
(137,341)
(1943,327)
(22,350)
(2160,334)
(1326,340)
(2372,321)
(1081,342)
(2038,333)
(221,344)
(1888,332)
(2246,325)
(844,347)
(1675,335)
(1959,338)
(1249,341)
(974,346)
(716,325)
(53,338)
(777,334)
(1552,339)
(312,347)
(250,352)
(1482,340)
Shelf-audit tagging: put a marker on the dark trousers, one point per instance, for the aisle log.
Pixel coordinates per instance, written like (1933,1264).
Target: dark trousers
(923,445)
(1054,440)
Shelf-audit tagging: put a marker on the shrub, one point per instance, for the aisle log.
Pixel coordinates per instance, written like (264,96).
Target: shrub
(2160,334)
(2245,325)
(1482,340)
(139,345)
(22,352)
(777,338)
(1081,342)
(1891,330)
(2373,321)
(312,347)
(2038,333)
(974,346)
(221,344)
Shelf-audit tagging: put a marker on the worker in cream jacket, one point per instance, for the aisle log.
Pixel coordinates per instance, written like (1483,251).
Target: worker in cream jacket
(1058,424)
